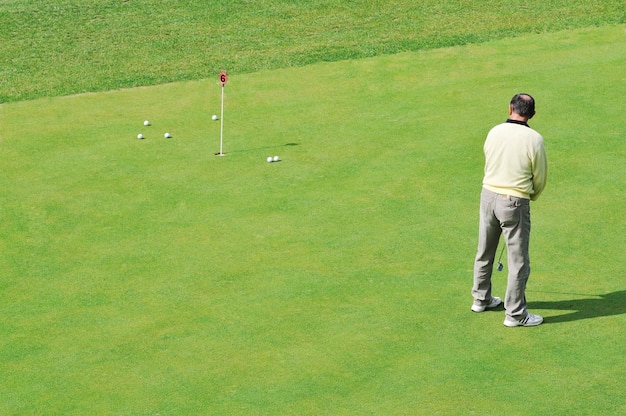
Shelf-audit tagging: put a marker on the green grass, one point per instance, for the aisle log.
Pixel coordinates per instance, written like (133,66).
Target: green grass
(68,46)
(151,277)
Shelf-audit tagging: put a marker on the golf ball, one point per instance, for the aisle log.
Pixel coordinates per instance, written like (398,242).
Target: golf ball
(270,159)
(167,135)
(214,117)
(276,158)
(140,136)
(146,123)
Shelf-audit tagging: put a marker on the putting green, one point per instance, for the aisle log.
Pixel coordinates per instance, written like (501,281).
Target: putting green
(152,277)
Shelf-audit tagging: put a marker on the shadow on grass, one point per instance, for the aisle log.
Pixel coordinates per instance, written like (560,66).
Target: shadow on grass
(602,305)
(266,147)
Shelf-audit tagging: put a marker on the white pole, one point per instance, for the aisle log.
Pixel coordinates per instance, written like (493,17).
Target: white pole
(222,124)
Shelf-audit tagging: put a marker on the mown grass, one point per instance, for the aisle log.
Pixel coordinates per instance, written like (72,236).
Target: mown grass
(68,46)
(151,277)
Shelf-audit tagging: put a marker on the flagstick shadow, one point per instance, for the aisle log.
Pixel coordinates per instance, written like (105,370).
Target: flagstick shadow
(264,148)
(603,305)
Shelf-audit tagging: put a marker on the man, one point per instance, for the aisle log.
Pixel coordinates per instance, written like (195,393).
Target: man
(515,173)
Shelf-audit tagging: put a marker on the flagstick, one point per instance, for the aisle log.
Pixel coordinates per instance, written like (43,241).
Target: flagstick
(223,80)
(222,125)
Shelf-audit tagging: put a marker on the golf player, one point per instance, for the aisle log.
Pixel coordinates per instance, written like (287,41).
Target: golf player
(515,173)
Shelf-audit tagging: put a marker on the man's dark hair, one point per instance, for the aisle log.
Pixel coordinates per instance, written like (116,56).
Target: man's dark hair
(523,104)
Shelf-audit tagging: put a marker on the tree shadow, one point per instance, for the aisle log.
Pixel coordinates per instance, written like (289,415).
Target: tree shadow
(603,305)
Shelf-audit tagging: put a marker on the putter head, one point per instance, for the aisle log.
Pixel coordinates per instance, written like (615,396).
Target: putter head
(500,266)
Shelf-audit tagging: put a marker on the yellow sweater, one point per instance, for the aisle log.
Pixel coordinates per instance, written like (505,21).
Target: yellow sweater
(515,161)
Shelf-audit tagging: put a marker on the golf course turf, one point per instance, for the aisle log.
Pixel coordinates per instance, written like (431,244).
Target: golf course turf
(145,277)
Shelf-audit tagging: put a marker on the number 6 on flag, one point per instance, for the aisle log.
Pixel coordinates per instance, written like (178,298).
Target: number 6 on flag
(223,77)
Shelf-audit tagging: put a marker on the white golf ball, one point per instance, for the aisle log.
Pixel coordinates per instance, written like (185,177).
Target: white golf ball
(146,123)
(140,136)
(167,135)
(270,159)
(276,158)
(214,117)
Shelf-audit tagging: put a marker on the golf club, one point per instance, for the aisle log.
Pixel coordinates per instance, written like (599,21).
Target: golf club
(500,266)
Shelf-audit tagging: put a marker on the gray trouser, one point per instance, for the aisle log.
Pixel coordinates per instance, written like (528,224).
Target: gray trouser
(509,215)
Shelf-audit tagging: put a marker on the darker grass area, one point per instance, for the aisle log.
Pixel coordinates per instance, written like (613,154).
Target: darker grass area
(71,46)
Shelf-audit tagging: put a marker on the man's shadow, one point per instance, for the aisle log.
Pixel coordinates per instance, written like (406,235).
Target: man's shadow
(603,305)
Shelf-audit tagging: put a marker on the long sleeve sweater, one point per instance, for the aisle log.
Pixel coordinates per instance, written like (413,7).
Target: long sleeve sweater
(515,160)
